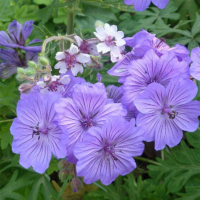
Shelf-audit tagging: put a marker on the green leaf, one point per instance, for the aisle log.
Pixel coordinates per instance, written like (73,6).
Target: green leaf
(45,2)
(53,166)
(48,190)
(194,138)
(5,136)
(180,165)
(6,11)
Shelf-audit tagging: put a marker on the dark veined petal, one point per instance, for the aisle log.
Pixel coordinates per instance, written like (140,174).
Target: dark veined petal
(14,31)
(7,70)
(27,29)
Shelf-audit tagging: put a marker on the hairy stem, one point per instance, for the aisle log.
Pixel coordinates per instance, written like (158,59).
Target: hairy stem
(147,160)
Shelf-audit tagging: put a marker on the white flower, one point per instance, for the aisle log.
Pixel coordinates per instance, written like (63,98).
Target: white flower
(71,59)
(56,84)
(111,39)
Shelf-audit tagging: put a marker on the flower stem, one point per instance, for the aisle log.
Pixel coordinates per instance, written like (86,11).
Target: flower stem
(147,160)
(8,120)
(70,24)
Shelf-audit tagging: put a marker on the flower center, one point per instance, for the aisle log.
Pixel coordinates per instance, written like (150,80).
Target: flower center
(109,150)
(171,113)
(38,131)
(53,86)
(70,60)
(110,40)
(87,123)
(84,47)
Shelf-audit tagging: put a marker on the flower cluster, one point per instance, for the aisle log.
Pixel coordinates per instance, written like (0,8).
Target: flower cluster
(100,129)
(13,57)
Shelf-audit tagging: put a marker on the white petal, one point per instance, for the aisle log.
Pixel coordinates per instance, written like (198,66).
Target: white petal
(101,34)
(73,49)
(78,40)
(115,51)
(119,35)
(83,58)
(102,47)
(65,79)
(60,56)
(120,42)
(77,68)
(54,78)
(114,27)
(44,90)
(41,84)
(60,65)
(60,89)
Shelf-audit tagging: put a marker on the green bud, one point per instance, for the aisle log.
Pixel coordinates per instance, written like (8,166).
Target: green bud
(76,184)
(20,77)
(62,164)
(63,174)
(99,23)
(44,61)
(29,72)
(20,70)
(32,64)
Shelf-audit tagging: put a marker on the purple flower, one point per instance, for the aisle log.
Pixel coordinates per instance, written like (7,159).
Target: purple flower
(88,107)
(36,136)
(114,93)
(195,66)
(142,42)
(107,152)
(141,5)
(165,113)
(17,36)
(110,40)
(71,59)
(148,70)
(11,60)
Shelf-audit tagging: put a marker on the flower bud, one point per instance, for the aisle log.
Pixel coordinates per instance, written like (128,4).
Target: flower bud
(99,23)
(63,174)
(76,184)
(32,64)
(62,164)
(29,72)
(25,88)
(20,70)
(20,77)
(44,61)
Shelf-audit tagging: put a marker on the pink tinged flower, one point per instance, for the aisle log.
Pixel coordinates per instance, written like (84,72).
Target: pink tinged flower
(36,135)
(107,152)
(87,46)
(195,66)
(151,69)
(71,59)
(167,112)
(89,107)
(54,84)
(110,40)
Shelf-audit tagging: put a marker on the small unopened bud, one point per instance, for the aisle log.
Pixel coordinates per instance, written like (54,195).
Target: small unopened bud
(44,61)
(99,23)
(76,184)
(20,70)
(25,88)
(32,64)
(62,164)
(20,77)
(63,174)
(29,72)
(47,78)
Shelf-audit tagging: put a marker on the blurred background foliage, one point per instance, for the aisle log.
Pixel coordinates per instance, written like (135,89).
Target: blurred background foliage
(175,176)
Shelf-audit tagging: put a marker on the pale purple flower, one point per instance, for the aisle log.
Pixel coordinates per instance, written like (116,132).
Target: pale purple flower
(88,107)
(114,93)
(195,66)
(87,46)
(107,152)
(17,36)
(36,135)
(167,112)
(110,40)
(71,59)
(141,5)
(11,61)
(151,69)
(53,84)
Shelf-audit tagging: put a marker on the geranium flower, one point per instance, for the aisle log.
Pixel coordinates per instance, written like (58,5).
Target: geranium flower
(195,66)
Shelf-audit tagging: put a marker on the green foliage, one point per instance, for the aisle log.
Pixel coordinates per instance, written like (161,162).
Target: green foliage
(5,136)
